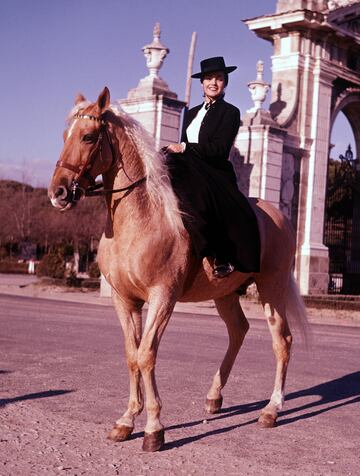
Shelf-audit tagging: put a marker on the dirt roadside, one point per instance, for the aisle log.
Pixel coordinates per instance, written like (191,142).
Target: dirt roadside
(31,286)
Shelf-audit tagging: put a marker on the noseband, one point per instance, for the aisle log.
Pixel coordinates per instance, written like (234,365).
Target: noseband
(76,192)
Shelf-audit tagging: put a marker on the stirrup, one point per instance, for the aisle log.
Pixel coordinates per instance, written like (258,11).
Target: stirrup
(222,270)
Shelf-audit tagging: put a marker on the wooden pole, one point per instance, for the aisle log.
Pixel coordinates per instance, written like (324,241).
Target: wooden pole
(189,68)
(188,76)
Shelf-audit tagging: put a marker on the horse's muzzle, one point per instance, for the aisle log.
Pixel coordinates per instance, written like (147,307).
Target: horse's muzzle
(65,198)
(58,197)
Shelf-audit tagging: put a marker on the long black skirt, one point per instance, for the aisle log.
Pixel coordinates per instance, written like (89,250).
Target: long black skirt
(218,217)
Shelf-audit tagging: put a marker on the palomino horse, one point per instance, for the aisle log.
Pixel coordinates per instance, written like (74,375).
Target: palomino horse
(145,255)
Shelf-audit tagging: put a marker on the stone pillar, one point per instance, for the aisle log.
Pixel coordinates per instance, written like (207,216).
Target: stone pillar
(154,105)
(312,256)
(159,114)
(258,147)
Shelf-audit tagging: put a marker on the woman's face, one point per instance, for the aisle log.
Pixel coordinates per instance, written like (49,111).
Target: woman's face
(213,84)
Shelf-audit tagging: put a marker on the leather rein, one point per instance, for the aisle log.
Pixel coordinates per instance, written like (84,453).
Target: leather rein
(76,192)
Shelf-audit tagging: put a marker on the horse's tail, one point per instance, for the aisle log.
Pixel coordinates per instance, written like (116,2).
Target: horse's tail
(296,311)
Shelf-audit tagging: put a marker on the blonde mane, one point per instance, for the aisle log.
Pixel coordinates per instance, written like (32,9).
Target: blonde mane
(158,183)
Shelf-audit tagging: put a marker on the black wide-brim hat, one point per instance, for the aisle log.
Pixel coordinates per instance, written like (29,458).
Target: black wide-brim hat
(210,65)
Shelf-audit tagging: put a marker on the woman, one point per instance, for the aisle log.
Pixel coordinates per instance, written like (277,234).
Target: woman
(218,217)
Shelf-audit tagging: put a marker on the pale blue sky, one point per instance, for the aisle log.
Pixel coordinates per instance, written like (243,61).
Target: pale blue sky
(52,49)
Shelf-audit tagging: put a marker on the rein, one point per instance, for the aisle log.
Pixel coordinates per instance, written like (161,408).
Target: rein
(93,191)
(76,192)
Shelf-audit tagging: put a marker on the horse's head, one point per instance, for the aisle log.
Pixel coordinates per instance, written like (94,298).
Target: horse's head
(87,152)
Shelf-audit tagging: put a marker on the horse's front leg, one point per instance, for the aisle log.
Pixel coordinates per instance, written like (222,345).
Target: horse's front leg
(131,323)
(159,312)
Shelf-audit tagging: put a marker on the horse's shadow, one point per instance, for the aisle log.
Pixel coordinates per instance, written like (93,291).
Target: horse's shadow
(32,396)
(334,394)
(344,388)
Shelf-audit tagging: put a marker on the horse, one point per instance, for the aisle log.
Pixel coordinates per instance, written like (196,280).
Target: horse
(146,256)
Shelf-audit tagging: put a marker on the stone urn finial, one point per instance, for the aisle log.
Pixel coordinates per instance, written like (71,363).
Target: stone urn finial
(155,53)
(152,84)
(258,88)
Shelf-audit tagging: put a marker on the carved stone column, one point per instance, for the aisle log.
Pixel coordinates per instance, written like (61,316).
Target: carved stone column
(152,102)
(313,259)
(258,148)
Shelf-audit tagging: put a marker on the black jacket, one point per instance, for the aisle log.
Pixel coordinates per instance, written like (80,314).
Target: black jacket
(217,133)
(218,217)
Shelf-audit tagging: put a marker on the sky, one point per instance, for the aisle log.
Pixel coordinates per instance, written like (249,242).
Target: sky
(50,50)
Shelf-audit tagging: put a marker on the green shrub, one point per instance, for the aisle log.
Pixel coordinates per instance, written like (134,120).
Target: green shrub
(52,265)
(93,270)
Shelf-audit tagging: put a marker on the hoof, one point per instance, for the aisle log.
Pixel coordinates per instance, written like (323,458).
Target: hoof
(153,441)
(120,433)
(213,405)
(267,420)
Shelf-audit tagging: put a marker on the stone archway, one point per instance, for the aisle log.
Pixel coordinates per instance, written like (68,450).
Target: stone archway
(348,102)
(316,66)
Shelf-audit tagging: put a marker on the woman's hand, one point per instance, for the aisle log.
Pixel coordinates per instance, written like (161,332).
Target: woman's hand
(174,148)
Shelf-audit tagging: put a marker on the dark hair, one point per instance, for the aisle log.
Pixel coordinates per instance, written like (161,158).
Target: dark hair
(226,78)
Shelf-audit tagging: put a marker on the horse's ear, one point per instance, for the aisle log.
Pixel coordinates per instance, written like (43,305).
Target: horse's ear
(103,99)
(79,98)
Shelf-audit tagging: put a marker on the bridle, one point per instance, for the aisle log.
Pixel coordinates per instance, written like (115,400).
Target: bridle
(76,192)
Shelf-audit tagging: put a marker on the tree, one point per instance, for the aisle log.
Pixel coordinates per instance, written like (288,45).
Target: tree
(26,213)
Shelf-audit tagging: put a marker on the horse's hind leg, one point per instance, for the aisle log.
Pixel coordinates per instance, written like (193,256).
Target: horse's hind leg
(237,326)
(273,299)
(130,319)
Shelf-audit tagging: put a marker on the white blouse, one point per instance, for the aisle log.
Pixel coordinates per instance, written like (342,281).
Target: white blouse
(193,129)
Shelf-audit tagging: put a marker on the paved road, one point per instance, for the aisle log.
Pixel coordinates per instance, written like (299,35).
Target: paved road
(64,381)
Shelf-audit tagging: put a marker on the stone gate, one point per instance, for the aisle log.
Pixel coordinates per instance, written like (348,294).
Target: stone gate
(315,75)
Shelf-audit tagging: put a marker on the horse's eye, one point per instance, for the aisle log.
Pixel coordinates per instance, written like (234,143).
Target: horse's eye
(89,138)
